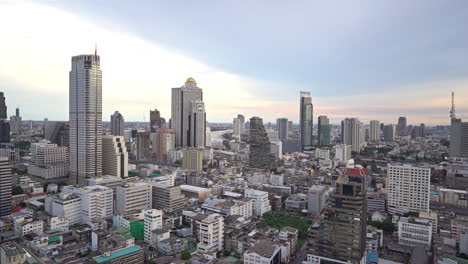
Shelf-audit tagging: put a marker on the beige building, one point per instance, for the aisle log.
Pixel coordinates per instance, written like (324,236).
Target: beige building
(114,156)
(192,159)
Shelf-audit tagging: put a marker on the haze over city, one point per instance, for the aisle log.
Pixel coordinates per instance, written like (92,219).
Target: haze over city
(366,59)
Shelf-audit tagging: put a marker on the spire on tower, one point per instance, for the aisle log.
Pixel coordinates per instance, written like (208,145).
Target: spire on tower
(452,111)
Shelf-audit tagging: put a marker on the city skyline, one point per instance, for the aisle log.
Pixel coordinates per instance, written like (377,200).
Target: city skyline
(419,90)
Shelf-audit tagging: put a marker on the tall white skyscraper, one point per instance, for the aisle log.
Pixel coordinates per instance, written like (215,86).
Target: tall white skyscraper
(352,133)
(183,99)
(114,156)
(242,123)
(85,113)
(236,127)
(374,130)
(117,125)
(408,188)
(306,120)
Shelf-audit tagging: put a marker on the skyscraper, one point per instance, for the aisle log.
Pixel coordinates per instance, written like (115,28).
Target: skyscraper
(352,133)
(324,131)
(16,123)
(162,142)
(260,147)
(5,186)
(374,130)
(342,236)
(197,124)
(458,134)
(282,128)
(3,107)
(182,109)
(389,133)
(117,124)
(85,103)
(236,127)
(4,126)
(156,121)
(114,156)
(402,129)
(306,120)
(242,123)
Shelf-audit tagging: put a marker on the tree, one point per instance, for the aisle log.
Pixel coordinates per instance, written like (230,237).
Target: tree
(17,190)
(227,253)
(186,255)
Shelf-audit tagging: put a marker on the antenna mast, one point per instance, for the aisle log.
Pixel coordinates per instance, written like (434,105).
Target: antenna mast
(452,111)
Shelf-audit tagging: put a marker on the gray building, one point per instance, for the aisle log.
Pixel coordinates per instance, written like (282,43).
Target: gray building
(156,121)
(260,147)
(4,131)
(458,135)
(306,120)
(242,123)
(352,133)
(85,103)
(316,199)
(324,131)
(389,133)
(197,125)
(3,107)
(117,124)
(5,186)
(16,123)
(168,198)
(182,108)
(57,132)
(402,129)
(282,128)
(374,130)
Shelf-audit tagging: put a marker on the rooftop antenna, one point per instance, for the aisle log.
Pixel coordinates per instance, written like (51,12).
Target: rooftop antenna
(95,49)
(452,111)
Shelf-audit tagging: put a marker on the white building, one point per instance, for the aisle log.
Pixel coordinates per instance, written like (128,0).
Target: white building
(342,152)
(261,202)
(229,207)
(263,252)
(408,188)
(26,225)
(352,133)
(374,130)
(454,197)
(209,229)
(236,128)
(58,224)
(277,180)
(96,203)
(414,232)
(133,197)
(153,221)
(67,205)
(48,160)
(317,199)
(323,154)
(114,156)
(277,149)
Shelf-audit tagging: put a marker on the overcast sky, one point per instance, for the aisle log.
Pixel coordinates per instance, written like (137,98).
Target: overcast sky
(366,59)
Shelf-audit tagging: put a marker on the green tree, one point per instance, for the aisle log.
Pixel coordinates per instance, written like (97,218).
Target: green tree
(227,253)
(17,190)
(186,255)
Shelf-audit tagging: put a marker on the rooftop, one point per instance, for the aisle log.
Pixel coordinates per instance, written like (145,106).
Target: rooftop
(117,254)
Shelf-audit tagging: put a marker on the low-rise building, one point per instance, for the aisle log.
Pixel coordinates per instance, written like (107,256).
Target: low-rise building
(414,231)
(129,255)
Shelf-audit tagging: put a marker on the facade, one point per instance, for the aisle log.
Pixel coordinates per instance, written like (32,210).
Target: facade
(324,131)
(261,203)
(317,199)
(49,161)
(156,121)
(209,231)
(282,128)
(260,147)
(190,191)
(97,203)
(306,120)
(236,127)
(277,149)
(402,129)
(3,107)
(182,110)
(133,197)
(57,132)
(5,186)
(352,133)
(117,124)
(453,197)
(143,142)
(85,103)
(342,235)
(197,125)
(114,156)
(153,221)
(389,133)
(374,131)
(192,159)
(242,123)
(162,142)
(414,232)
(408,188)
(67,205)
(342,152)
(168,198)
(4,131)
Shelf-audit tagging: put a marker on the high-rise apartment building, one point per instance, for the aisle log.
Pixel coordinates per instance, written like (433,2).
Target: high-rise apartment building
(85,113)
(162,142)
(324,131)
(192,159)
(236,127)
(458,135)
(352,133)
(185,102)
(114,156)
(209,231)
(156,121)
(242,123)
(389,133)
(5,186)
(260,147)
(342,152)
(133,198)
(117,124)
(374,131)
(402,129)
(306,120)
(16,123)
(342,236)
(282,128)
(49,161)
(197,125)
(408,188)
